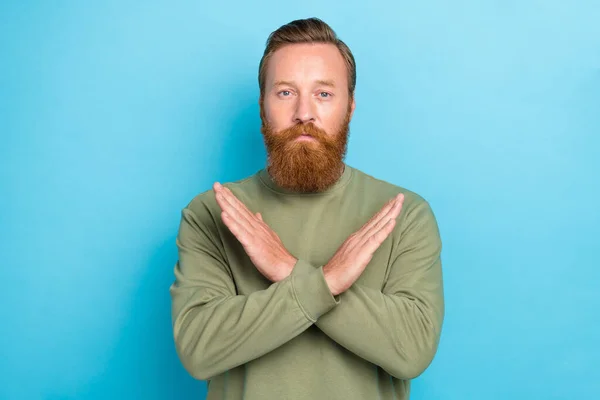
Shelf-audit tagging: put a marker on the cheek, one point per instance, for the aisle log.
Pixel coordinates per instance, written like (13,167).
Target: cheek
(334,118)
(278,114)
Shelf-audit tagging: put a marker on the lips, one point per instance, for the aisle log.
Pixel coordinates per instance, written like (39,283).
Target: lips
(305,137)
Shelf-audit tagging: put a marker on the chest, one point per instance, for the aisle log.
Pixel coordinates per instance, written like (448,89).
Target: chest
(313,236)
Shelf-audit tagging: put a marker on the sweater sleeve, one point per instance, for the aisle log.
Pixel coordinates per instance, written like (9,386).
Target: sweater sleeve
(216,329)
(397,328)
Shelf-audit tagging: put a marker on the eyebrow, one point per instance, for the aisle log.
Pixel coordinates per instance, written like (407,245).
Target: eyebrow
(321,82)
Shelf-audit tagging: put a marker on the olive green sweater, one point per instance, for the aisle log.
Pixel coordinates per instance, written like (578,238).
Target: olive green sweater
(257,340)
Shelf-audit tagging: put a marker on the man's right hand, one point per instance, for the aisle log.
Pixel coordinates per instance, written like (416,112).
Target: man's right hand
(356,252)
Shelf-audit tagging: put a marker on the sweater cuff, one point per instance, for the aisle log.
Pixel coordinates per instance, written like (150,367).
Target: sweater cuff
(311,290)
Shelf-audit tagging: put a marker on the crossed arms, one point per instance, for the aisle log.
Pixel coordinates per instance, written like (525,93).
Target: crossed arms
(397,328)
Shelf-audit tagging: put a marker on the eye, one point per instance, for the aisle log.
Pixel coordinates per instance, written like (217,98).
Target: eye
(285,93)
(324,95)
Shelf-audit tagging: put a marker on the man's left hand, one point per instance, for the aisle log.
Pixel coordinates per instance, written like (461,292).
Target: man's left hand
(263,246)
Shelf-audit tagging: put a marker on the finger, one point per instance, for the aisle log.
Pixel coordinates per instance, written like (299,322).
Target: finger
(396,210)
(374,241)
(239,206)
(236,224)
(392,213)
(225,205)
(228,195)
(374,230)
(386,210)
(218,189)
(228,205)
(236,228)
(375,217)
(379,220)
(379,215)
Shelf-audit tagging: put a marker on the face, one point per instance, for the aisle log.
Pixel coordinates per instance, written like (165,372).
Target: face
(306,111)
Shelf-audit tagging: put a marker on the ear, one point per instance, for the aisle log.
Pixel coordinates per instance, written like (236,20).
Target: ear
(261,108)
(352,106)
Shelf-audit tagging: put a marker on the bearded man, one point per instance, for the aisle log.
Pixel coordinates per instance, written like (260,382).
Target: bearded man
(309,279)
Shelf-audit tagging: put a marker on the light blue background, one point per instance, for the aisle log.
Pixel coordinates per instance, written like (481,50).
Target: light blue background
(114,114)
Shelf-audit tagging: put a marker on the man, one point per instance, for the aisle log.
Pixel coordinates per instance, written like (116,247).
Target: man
(309,279)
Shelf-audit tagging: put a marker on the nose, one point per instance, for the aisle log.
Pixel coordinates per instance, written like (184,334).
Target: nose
(304,112)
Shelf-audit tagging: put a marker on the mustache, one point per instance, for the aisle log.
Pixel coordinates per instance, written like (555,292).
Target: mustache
(300,129)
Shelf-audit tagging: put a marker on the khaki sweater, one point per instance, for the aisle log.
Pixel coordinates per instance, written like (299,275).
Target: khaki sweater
(257,340)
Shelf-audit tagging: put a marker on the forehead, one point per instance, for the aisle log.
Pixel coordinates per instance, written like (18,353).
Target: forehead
(307,62)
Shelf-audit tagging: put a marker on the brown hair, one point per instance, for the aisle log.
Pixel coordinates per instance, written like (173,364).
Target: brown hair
(310,30)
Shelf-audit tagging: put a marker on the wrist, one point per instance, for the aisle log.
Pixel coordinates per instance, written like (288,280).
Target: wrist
(331,280)
(286,268)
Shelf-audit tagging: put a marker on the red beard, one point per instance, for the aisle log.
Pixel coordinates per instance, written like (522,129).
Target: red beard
(306,166)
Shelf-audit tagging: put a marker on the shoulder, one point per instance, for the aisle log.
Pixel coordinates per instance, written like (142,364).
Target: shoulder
(416,214)
(381,188)
(204,205)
